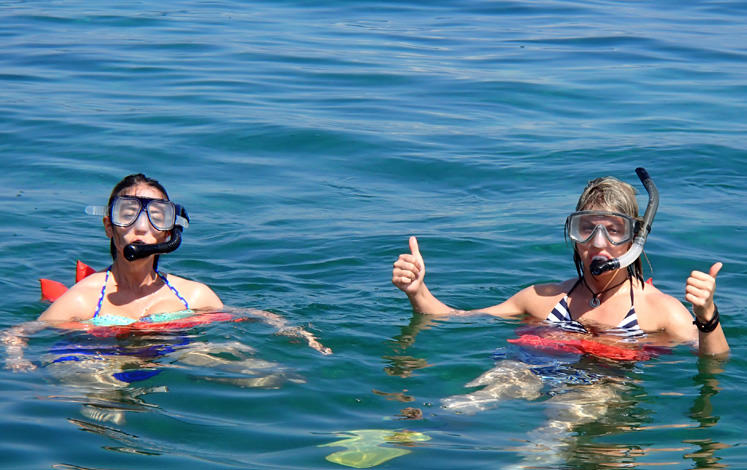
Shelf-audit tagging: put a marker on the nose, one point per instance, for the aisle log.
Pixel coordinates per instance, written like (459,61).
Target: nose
(142,223)
(599,237)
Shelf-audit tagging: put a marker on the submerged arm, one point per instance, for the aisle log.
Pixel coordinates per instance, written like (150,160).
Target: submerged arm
(281,325)
(15,340)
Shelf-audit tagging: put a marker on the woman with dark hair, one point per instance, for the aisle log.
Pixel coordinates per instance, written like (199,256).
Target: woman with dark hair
(141,223)
(614,303)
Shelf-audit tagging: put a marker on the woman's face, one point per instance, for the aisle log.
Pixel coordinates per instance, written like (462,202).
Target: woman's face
(599,247)
(141,231)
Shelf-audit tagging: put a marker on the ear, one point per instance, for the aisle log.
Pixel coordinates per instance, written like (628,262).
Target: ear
(107,227)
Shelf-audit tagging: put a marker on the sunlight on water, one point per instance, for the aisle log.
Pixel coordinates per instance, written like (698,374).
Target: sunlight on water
(308,141)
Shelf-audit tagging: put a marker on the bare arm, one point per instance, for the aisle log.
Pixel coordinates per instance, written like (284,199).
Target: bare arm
(281,324)
(699,292)
(408,275)
(203,298)
(15,340)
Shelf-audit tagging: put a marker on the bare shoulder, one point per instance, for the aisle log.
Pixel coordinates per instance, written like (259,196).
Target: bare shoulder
(538,300)
(553,289)
(658,311)
(77,303)
(198,295)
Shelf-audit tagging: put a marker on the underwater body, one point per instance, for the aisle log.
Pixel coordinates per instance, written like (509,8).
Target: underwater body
(308,142)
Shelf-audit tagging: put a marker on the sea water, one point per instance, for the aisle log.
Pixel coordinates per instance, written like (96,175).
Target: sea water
(308,141)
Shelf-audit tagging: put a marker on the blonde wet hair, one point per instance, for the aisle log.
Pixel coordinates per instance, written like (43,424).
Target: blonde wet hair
(609,194)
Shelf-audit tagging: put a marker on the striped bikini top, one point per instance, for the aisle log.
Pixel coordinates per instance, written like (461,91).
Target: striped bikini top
(108,319)
(560,316)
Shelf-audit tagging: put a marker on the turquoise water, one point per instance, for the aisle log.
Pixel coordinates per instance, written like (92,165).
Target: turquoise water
(308,140)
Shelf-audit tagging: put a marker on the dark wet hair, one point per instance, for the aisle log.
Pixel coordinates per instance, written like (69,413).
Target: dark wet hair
(128,182)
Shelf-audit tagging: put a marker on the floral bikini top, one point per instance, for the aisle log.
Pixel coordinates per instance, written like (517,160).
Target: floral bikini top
(108,319)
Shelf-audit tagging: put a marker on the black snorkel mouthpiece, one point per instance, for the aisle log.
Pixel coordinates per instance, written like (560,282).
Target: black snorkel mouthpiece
(135,251)
(644,228)
(598,266)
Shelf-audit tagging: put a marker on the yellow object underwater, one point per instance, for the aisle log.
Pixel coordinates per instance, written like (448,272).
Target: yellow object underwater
(365,450)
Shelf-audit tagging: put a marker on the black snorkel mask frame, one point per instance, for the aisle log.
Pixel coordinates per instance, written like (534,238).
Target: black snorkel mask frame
(642,230)
(136,251)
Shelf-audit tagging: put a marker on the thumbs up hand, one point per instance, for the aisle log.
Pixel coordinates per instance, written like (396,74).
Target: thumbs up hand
(409,270)
(699,292)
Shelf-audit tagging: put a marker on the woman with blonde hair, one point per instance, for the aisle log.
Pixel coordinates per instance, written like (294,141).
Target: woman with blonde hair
(608,299)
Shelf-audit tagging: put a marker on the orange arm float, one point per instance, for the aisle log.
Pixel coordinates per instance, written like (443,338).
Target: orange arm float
(52,290)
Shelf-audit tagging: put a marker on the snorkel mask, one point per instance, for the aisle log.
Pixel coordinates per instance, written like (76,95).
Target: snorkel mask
(617,228)
(163,215)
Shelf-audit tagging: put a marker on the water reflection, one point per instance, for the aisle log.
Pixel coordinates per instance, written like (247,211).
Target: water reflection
(624,415)
(707,379)
(584,398)
(702,412)
(105,375)
(572,395)
(400,364)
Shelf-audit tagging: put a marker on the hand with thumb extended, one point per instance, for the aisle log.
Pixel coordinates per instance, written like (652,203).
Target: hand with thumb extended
(409,270)
(700,289)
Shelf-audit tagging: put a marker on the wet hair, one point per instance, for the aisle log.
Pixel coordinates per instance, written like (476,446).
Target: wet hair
(611,194)
(128,182)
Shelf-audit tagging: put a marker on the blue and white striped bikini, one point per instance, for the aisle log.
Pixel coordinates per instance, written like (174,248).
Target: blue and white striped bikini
(560,316)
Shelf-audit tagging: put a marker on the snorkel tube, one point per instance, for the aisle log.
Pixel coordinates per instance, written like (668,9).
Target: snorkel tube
(598,267)
(135,251)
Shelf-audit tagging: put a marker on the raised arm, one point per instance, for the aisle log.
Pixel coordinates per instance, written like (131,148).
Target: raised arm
(408,274)
(699,292)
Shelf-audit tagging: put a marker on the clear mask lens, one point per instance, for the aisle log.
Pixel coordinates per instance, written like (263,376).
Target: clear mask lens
(583,226)
(125,211)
